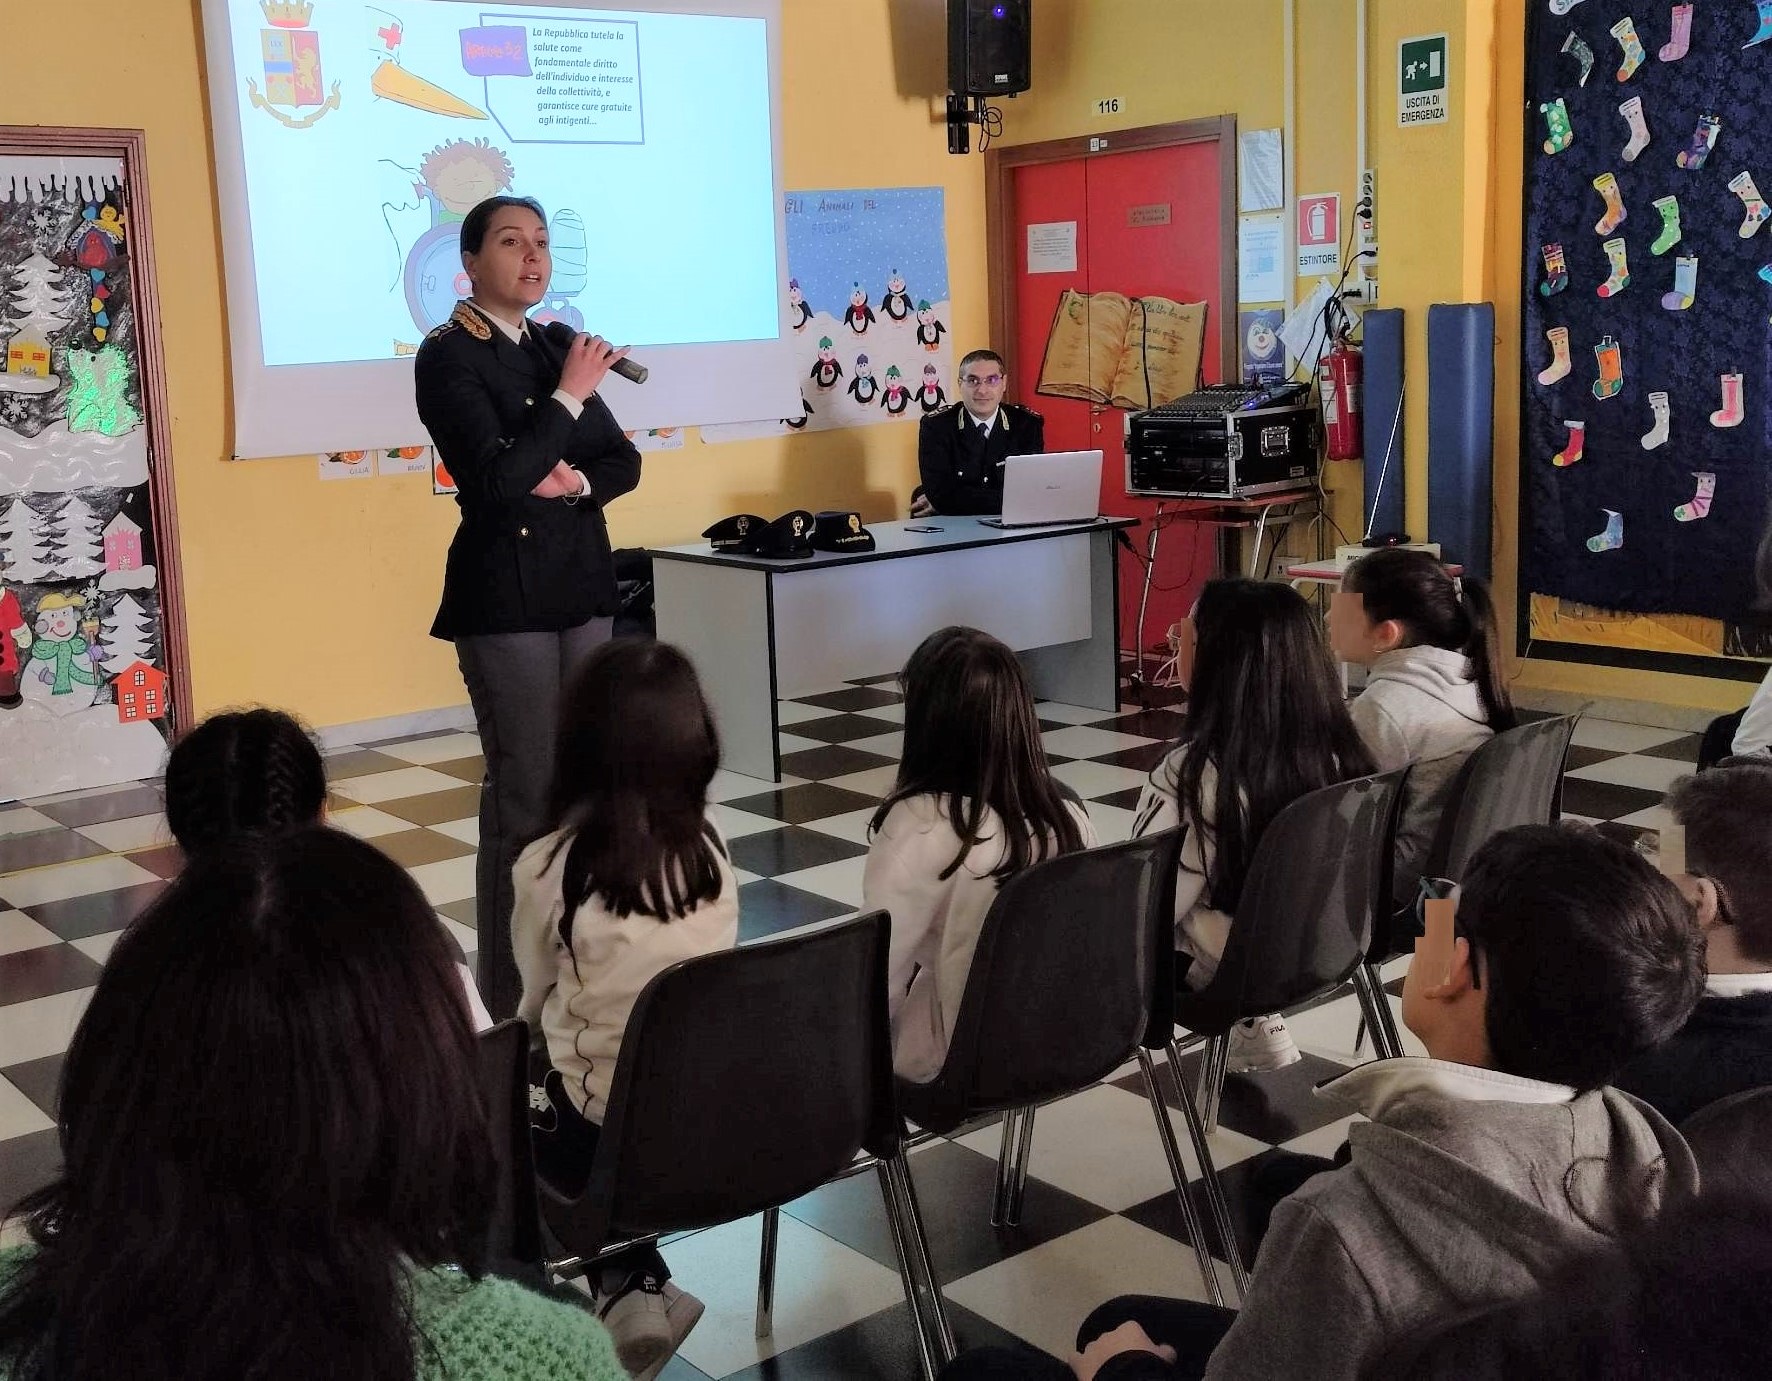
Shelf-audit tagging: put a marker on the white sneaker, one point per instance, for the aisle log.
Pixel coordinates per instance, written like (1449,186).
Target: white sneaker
(636,1318)
(1260,1045)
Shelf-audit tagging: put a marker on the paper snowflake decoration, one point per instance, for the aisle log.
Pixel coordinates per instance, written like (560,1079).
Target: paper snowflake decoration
(14,408)
(44,219)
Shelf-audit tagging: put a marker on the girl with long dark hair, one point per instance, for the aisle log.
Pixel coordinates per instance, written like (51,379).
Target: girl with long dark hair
(1265,725)
(276,1162)
(1434,690)
(631,877)
(975,802)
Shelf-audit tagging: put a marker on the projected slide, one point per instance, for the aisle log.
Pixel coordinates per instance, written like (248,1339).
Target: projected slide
(368,132)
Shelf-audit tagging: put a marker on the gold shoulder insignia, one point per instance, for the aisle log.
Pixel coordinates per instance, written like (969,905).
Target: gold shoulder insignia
(471,321)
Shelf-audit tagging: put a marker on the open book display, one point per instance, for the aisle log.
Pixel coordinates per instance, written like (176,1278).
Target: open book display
(1130,352)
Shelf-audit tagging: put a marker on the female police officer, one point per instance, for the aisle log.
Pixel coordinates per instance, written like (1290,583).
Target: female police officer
(529,588)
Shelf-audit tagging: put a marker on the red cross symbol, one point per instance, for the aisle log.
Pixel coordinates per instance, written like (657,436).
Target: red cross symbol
(390,36)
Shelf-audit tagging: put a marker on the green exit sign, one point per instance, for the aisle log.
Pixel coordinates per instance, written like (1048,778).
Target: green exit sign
(1421,80)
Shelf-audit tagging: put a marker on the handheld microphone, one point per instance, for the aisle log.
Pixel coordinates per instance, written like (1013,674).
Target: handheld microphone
(631,370)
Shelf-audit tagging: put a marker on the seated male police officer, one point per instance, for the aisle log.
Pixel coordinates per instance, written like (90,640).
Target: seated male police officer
(961,449)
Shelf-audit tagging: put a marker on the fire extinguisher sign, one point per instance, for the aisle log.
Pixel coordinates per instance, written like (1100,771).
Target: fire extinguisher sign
(1319,228)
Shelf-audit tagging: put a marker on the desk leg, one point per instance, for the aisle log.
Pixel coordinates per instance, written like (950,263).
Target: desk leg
(1087,672)
(721,618)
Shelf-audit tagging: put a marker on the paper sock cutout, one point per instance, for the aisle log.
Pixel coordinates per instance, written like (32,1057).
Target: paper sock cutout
(1685,284)
(1556,271)
(1619,279)
(1560,364)
(1657,435)
(1700,505)
(1576,46)
(1573,447)
(1670,224)
(1734,405)
(1765,8)
(1625,31)
(1681,38)
(1562,7)
(1610,358)
(1632,110)
(1607,186)
(1556,120)
(1704,139)
(1613,537)
(1758,213)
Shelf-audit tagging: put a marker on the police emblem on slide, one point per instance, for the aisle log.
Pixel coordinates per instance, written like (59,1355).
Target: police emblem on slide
(291,66)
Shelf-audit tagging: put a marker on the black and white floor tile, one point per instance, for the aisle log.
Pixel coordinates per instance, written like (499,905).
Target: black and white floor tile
(1099,1218)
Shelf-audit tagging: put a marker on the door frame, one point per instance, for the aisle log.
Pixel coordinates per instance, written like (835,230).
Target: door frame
(129,146)
(1004,258)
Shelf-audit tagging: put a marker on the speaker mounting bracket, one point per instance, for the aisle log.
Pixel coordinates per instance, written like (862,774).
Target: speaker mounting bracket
(963,110)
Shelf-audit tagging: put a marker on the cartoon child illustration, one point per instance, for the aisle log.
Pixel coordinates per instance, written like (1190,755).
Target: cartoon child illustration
(798,312)
(897,398)
(15,641)
(461,174)
(825,369)
(897,301)
(60,645)
(864,386)
(930,397)
(859,315)
(929,330)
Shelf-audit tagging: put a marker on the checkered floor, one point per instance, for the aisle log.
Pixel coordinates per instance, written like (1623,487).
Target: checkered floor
(1099,1219)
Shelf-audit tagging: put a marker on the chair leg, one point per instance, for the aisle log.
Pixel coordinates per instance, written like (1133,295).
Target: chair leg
(1360,1034)
(1211,1084)
(1375,1007)
(1215,1200)
(935,1333)
(913,1287)
(1006,1165)
(766,1273)
(1190,1216)
(1018,1183)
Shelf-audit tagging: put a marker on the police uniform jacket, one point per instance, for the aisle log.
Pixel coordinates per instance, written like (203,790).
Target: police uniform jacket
(961,469)
(519,564)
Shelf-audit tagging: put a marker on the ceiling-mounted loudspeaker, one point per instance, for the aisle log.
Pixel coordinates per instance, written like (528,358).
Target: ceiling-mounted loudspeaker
(988,47)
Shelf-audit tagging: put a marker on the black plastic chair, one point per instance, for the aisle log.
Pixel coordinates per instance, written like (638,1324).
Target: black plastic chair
(1302,928)
(1058,997)
(1732,1141)
(514,1241)
(1516,778)
(746,1079)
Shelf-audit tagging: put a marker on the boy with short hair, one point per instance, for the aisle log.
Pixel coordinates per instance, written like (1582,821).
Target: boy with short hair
(1726,1047)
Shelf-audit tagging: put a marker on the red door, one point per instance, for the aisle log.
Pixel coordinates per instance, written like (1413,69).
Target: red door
(1133,255)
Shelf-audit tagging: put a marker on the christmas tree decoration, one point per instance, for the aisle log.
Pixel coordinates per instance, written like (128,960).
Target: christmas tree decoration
(77,538)
(1632,110)
(1613,536)
(1704,139)
(1619,279)
(98,398)
(1625,31)
(24,544)
(1606,184)
(1556,120)
(1573,447)
(1699,506)
(1660,411)
(1734,403)
(1556,271)
(125,636)
(1685,290)
(1758,213)
(1576,46)
(1610,358)
(1681,37)
(1670,224)
(38,309)
(1560,364)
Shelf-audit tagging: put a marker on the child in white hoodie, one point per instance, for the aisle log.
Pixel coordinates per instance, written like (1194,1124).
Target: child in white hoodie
(975,803)
(1434,690)
(631,878)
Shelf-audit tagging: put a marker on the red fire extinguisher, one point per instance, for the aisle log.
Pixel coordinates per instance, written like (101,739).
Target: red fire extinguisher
(1341,400)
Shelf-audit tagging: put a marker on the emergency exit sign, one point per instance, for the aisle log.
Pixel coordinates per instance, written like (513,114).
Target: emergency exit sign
(1421,81)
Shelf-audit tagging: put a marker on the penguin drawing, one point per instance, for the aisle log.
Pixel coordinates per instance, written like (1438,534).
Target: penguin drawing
(897,301)
(859,315)
(897,398)
(798,312)
(930,397)
(798,424)
(929,330)
(825,369)
(864,386)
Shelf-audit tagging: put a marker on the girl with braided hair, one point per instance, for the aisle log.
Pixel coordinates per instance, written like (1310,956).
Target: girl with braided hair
(254,774)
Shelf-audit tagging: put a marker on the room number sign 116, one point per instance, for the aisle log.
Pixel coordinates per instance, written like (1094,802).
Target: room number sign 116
(1108,105)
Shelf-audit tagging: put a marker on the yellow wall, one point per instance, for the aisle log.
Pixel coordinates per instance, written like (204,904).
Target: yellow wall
(317,596)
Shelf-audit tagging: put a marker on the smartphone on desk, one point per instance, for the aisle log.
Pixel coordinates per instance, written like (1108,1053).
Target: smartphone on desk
(909,528)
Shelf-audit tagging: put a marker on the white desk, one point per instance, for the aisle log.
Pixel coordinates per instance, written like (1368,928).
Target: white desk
(760,631)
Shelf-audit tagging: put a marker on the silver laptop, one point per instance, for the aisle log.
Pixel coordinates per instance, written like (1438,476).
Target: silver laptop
(1058,487)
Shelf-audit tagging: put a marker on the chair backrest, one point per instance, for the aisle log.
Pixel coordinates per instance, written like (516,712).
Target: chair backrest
(1058,993)
(1732,1140)
(745,1079)
(1321,870)
(514,1244)
(1514,779)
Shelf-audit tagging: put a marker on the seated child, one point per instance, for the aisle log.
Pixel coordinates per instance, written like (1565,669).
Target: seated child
(1265,725)
(245,774)
(1726,1047)
(975,803)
